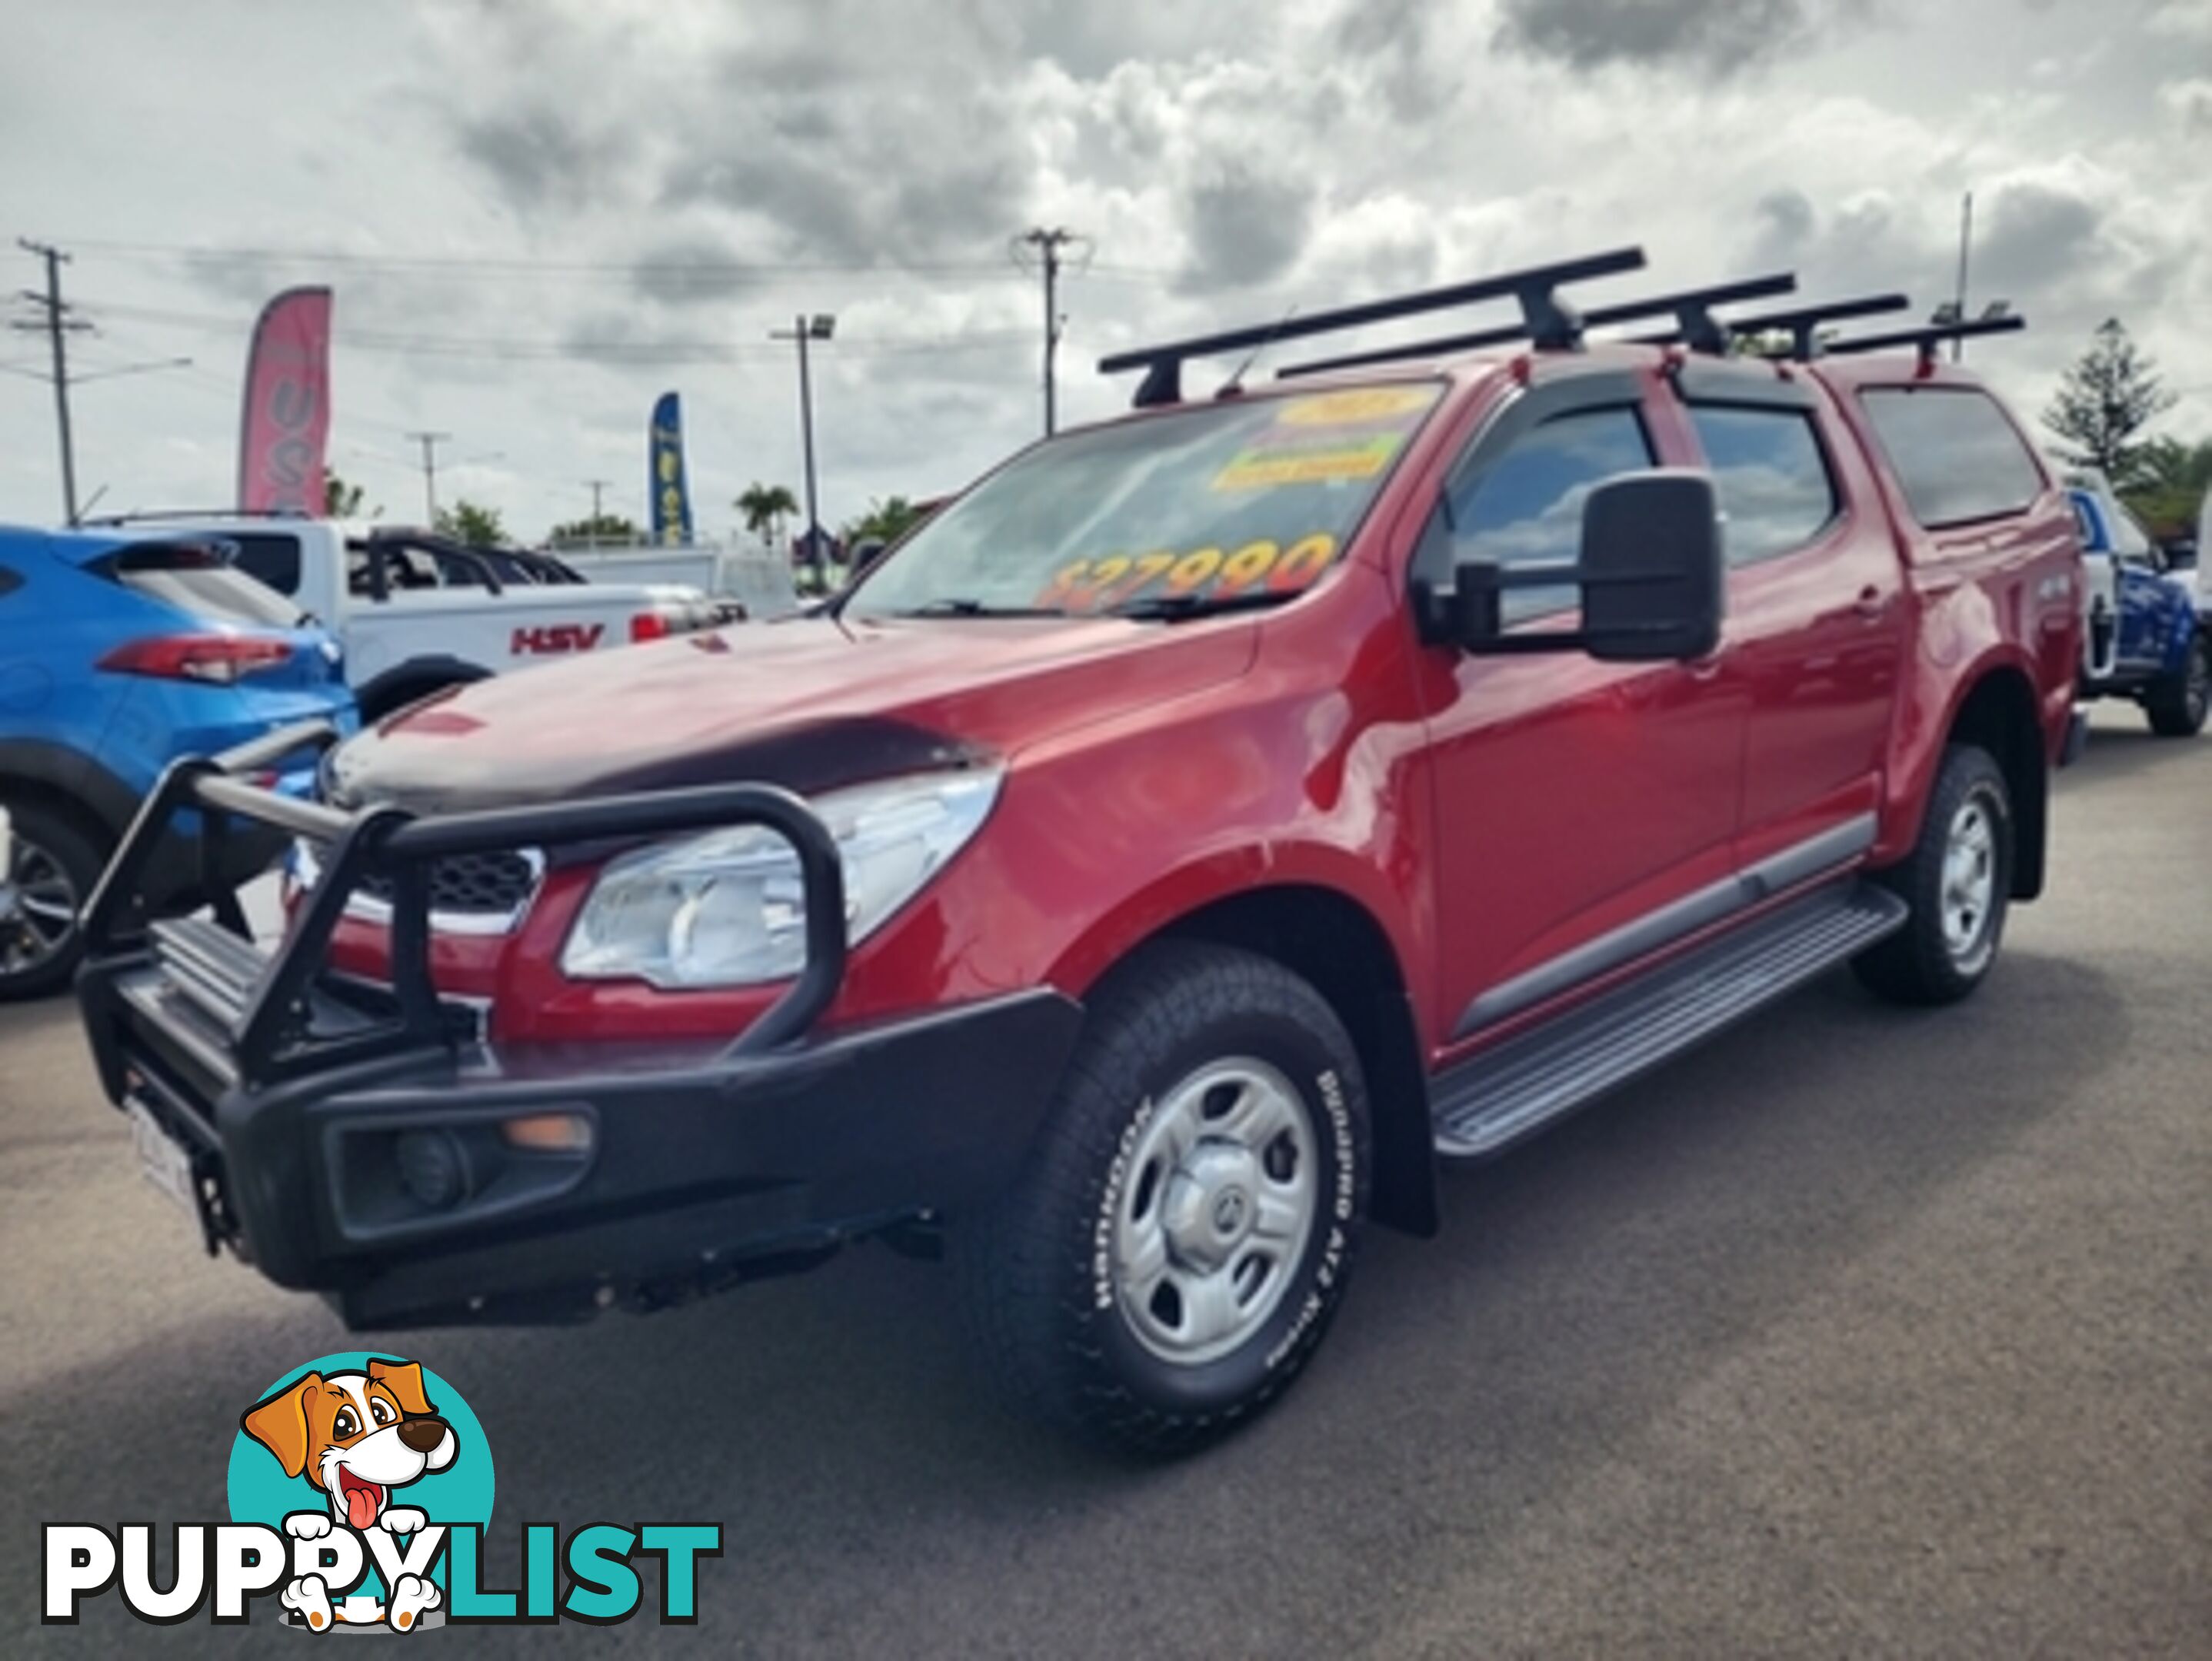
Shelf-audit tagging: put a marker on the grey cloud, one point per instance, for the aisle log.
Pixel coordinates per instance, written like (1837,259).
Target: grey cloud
(247,278)
(1718,35)
(694,270)
(540,156)
(1785,222)
(1244,228)
(1088,38)
(2035,236)
(2059,257)
(2190,103)
(1394,35)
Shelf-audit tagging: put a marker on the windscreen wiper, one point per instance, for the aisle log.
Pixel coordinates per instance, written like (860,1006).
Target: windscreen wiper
(958,606)
(1175,608)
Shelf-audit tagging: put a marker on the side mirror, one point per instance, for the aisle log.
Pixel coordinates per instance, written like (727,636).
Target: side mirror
(1650,576)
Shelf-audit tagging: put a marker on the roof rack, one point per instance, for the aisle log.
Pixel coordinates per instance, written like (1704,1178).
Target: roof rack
(1803,324)
(1926,340)
(1692,310)
(1549,321)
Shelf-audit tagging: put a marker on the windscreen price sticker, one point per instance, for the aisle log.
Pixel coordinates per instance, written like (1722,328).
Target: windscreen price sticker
(1361,404)
(1309,461)
(1099,583)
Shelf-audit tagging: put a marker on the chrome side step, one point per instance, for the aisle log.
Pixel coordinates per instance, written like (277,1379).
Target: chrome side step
(1503,1095)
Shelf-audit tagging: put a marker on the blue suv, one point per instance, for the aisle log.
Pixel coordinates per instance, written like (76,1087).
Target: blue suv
(2146,639)
(116,657)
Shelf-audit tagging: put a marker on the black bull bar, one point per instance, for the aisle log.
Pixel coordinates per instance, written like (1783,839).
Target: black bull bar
(265,1017)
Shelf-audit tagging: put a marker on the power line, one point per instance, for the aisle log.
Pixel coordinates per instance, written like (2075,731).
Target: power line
(512,348)
(527,265)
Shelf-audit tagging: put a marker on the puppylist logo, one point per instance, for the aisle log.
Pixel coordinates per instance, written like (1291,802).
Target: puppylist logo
(361,1487)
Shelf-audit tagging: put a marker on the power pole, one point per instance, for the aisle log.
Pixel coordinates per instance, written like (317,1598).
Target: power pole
(430,442)
(1049,243)
(596,486)
(58,325)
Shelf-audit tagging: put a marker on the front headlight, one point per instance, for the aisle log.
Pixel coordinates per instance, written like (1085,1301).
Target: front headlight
(729,908)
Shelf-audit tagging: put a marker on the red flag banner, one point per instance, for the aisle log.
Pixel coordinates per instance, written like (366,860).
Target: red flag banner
(288,405)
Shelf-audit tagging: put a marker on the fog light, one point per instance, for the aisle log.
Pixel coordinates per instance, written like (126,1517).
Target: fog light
(433,1168)
(548,1133)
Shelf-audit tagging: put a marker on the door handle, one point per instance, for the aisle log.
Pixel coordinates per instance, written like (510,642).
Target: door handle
(1870,604)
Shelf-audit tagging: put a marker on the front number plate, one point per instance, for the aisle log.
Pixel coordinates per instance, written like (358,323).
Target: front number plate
(166,1165)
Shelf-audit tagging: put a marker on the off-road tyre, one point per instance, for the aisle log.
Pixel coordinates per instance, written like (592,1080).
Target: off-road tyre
(1925,962)
(1043,1292)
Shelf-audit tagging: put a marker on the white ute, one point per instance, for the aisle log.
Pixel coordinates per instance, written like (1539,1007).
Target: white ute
(416,612)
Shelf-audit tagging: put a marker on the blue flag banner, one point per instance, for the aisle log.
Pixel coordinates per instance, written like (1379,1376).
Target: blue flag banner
(667,488)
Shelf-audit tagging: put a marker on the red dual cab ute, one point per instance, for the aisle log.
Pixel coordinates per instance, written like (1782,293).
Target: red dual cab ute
(1149,871)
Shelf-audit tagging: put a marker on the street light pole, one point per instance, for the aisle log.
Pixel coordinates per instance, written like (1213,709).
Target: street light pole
(806,444)
(430,442)
(820,326)
(1966,259)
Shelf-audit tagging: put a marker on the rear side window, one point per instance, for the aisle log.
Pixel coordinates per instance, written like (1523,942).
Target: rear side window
(200,583)
(1526,508)
(1956,455)
(1771,474)
(269,559)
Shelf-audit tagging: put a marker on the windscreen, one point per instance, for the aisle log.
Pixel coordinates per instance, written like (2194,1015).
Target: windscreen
(201,581)
(1242,499)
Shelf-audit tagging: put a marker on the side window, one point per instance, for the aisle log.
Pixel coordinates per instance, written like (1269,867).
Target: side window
(1526,507)
(1775,492)
(10,580)
(270,559)
(1957,456)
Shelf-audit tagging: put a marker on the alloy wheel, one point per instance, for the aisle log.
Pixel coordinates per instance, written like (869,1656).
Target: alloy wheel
(38,908)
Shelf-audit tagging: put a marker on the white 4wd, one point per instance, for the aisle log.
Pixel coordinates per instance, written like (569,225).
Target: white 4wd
(416,612)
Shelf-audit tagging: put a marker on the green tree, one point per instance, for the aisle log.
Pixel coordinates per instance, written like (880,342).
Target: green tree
(765,506)
(601,528)
(340,499)
(2171,482)
(2108,395)
(886,521)
(471,523)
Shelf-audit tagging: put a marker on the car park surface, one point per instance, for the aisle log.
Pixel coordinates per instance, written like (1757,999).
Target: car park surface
(1850,1334)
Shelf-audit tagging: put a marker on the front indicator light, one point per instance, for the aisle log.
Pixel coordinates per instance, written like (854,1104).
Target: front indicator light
(547,1133)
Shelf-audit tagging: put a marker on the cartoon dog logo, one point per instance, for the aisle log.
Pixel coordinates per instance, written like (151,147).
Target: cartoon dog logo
(358,1436)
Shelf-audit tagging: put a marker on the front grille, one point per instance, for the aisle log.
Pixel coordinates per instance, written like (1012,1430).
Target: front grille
(472,884)
(476,893)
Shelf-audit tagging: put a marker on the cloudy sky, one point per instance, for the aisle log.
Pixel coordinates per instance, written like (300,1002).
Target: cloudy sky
(538,216)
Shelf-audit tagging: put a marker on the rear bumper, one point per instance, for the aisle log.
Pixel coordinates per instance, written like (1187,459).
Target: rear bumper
(703,1169)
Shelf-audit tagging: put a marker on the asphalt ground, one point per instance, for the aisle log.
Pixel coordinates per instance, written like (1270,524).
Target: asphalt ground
(1860,1332)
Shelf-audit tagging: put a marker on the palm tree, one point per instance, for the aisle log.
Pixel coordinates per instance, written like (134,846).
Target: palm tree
(765,506)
